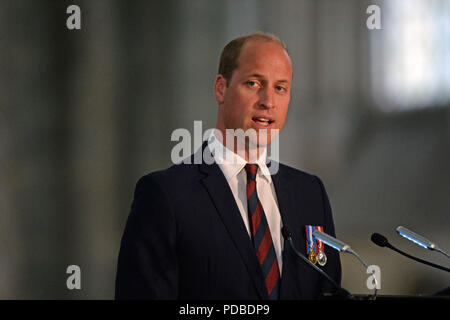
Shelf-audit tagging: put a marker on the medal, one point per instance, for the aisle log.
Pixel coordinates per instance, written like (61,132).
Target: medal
(312,256)
(310,244)
(314,247)
(321,256)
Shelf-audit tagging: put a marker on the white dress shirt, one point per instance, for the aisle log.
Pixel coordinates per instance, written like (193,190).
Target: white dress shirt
(232,166)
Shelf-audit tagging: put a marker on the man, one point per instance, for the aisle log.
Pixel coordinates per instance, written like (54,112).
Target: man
(213,231)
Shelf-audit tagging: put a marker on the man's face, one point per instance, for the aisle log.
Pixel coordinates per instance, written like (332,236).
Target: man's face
(257,96)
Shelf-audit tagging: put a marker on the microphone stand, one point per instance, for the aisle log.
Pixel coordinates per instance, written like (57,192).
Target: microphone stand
(417,259)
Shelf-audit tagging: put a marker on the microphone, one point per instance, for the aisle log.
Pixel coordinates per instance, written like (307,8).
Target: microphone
(287,235)
(343,247)
(418,239)
(382,241)
(331,241)
(379,240)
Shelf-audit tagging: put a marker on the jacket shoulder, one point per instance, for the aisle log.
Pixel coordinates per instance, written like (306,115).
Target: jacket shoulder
(296,175)
(176,175)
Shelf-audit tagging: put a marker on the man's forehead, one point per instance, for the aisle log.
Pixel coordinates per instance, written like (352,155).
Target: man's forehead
(254,64)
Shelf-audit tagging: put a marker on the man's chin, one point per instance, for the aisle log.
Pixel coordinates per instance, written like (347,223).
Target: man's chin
(265,137)
(253,138)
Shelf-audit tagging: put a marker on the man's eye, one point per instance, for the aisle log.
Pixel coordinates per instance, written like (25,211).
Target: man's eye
(251,83)
(280,88)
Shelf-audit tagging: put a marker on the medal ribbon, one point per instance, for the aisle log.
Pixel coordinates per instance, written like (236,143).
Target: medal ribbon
(320,245)
(310,243)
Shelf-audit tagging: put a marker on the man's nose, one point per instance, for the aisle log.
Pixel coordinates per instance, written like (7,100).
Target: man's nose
(266,98)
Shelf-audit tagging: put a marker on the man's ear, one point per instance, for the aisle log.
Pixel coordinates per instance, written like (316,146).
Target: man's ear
(220,87)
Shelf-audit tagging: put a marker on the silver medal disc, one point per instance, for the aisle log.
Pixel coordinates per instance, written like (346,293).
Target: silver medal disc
(322,258)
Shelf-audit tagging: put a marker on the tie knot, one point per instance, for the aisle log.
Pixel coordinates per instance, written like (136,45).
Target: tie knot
(251,170)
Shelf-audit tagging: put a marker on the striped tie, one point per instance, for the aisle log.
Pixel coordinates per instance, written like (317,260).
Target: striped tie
(262,240)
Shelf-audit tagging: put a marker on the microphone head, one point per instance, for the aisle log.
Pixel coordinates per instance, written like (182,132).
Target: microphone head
(416,238)
(331,241)
(286,232)
(379,240)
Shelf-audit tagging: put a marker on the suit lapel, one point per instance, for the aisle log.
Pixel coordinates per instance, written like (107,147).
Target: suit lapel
(223,199)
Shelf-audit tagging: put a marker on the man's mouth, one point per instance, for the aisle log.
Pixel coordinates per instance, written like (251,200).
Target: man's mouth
(262,121)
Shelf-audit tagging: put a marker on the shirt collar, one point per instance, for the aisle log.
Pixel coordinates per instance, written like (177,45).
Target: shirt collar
(231,163)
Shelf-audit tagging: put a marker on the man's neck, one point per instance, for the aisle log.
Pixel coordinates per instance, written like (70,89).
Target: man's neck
(247,150)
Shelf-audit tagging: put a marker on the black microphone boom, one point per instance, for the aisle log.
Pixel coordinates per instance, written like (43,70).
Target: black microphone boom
(287,235)
(382,241)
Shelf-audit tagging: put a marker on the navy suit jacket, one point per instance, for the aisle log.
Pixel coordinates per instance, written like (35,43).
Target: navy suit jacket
(185,238)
